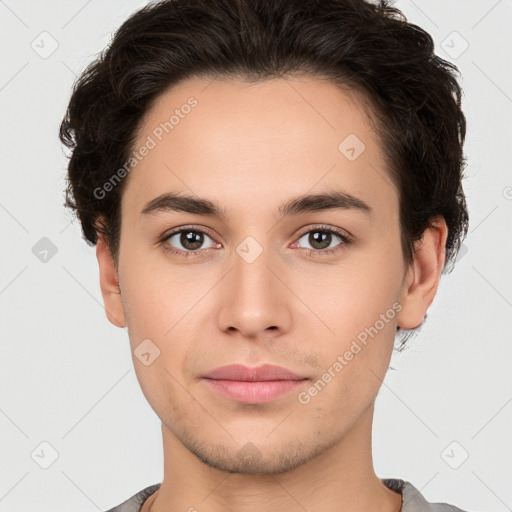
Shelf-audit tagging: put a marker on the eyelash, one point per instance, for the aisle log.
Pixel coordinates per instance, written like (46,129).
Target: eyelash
(345,240)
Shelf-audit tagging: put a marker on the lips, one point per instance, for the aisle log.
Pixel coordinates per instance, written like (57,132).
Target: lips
(257,385)
(262,373)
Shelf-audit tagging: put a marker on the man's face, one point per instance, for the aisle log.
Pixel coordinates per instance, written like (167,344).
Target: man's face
(261,288)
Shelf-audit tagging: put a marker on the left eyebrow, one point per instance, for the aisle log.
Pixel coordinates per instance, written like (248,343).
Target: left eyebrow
(302,204)
(326,201)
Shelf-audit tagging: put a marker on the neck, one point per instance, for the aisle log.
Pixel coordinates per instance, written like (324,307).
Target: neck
(340,474)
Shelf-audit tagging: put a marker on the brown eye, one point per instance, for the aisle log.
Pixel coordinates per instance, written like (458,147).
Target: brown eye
(321,239)
(189,239)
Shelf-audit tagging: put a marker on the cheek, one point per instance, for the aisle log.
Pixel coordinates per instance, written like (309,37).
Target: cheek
(159,383)
(153,297)
(348,298)
(354,365)
(164,306)
(358,305)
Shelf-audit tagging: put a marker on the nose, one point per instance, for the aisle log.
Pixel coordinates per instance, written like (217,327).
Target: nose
(255,303)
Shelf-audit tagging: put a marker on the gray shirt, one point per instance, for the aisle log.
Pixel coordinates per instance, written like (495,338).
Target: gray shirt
(412,499)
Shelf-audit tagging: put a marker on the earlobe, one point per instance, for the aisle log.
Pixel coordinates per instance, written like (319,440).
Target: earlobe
(109,284)
(422,280)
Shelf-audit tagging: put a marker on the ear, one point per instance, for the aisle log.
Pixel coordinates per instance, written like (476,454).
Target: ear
(109,284)
(422,280)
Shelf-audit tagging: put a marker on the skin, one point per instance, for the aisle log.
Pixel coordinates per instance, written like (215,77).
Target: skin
(251,148)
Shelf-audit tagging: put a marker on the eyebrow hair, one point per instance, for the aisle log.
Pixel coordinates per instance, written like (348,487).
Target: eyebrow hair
(171,201)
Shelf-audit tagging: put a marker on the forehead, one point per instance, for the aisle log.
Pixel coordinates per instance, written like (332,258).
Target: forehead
(212,137)
(258,110)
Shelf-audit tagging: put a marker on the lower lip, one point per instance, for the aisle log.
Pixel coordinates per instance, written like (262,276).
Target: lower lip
(258,392)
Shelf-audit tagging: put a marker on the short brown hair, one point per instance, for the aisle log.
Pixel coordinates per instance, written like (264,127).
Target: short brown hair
(366,47)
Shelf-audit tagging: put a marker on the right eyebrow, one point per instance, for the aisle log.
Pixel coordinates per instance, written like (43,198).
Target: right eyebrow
(182,203)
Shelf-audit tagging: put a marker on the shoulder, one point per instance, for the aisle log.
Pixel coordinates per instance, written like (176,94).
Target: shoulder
(135,503)
(414,501)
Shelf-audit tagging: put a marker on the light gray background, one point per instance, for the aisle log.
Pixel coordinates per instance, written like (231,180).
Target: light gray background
(66,374)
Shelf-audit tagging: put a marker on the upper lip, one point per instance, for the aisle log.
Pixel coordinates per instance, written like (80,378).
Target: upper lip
(246,373)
